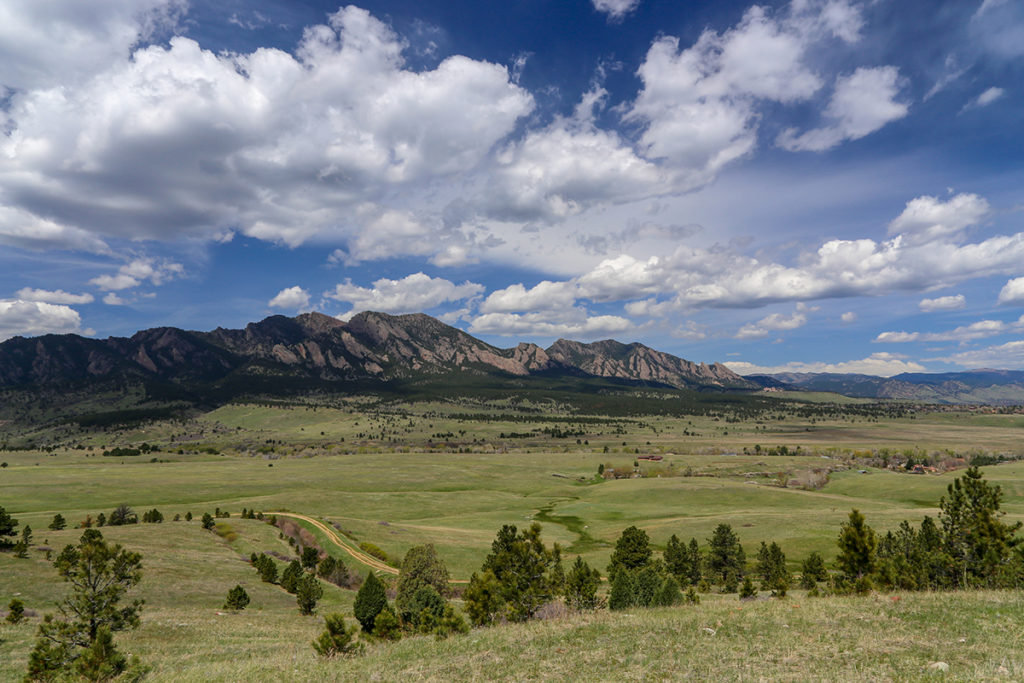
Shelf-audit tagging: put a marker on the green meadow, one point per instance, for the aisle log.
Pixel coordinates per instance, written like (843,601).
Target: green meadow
(430,473)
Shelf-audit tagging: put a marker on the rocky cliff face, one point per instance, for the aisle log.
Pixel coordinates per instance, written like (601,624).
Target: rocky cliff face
(370,345)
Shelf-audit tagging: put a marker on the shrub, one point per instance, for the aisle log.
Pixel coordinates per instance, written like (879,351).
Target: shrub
(336,639)
(385,625)
(370,600)
(237,599)
(691,596)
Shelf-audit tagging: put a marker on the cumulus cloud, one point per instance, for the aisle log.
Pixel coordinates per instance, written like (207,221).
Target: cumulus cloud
(1012,293)
(55,297)
(575,323)
(411,294)
(848,317)
(133,274)
(615,9)
(1009,356)
(36,317)
(291,298)
(543,296)
(776,322)
(112,299)
(280,146)
(698,104)
(943,303)
(928,218)
(861,103)
(878,364)
(976,330)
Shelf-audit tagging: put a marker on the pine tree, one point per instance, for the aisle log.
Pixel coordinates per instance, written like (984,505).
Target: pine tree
(8,526)
(385,625)
(420,567)
(522,565)
(622,593)
(308,592)
(370,600)
(857,542)
(336,639)
(747,591)
(677,559)
(632,551)
(726,559)
(58,522)
(483,598)
(581,586)
(695,562)
(208,522)
(668,594)
(812,570)
(15,611)
(309,558)
(237,599)
(291,575)
(100,575)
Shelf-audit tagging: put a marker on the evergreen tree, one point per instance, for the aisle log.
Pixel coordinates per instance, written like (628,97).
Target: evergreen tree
(267,568)
(726,560)
(121,515)
(425,608)
(483,598)
(695,562)
(101,519)
(449,623)
(58,522)
(333,570)
(979,543)
(421,567)
(771,566)
(188,516)
(747,591)
(632,551)
(309,558)
(100,575)
(237,599)
(857,542)
(208,522)
(646,582)
(677,559)
(812,570)
(336,639)
(668,594)
(370,600)
(581,586)
(291,575)
(522,564)
(622,594)
(15,611)
(386,626)
(308,592)
(26,535)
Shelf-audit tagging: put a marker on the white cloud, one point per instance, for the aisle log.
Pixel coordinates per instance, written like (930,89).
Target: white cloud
(928,218)
(878,364)
(862,103)
(412,294)
(775,322)
(543,296)
(1012,292)
(36,317)
(848,317)
(615,9)
(44,44)
(132,274)
(943,303)
(988,97)
(112,299)
(276,145)
(1009,356)
(55,297)
(575,324)
(698,104)
(976,330)
(291,298)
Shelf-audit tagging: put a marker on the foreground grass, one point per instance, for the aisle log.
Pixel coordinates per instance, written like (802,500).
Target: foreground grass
(878,637)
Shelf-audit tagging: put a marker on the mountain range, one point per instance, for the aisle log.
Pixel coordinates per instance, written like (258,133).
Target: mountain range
(369,346)
(374,349)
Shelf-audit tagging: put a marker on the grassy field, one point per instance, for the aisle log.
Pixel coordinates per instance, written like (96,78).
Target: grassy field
(431,474)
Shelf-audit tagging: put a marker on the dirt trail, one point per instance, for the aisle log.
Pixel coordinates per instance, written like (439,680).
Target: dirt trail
(336,539)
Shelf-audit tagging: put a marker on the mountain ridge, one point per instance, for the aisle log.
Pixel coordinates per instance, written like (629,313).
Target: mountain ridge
(369,346)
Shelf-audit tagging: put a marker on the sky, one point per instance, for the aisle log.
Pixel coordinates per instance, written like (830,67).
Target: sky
(812,185)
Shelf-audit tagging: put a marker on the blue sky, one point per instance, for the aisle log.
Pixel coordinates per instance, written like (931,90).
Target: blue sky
(821,185)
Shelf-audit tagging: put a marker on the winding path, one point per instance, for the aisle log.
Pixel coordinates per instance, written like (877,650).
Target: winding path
(334,537)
